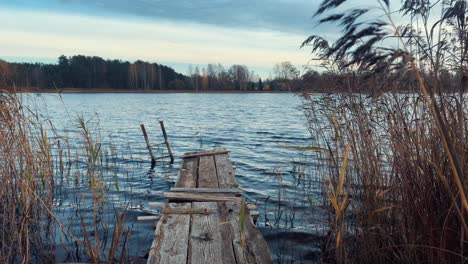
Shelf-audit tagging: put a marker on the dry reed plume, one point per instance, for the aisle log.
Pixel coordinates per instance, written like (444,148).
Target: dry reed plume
(407,163)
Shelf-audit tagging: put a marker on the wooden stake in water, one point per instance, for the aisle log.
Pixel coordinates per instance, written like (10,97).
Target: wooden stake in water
(150,149)
(166,141)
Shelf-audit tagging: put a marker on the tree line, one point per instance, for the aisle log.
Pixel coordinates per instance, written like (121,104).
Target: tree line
(89,72)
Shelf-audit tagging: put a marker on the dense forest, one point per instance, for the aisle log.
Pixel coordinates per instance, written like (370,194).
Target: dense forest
(85,72)
(92,72)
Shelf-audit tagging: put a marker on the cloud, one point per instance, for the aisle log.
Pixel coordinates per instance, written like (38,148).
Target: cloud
(39,34)
(277,15)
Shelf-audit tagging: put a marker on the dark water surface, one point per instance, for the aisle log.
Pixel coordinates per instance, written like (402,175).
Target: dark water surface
(252,126)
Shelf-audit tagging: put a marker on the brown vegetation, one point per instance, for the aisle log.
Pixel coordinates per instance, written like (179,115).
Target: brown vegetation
(405,198)
(32,162)
(26,192)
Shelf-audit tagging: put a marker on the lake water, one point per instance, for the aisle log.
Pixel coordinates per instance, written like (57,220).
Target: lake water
(252,126)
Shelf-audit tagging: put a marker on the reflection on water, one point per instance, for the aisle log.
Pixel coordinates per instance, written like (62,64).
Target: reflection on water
(251,126)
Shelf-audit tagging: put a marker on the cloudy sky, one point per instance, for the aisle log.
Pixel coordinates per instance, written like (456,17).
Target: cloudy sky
(258,33)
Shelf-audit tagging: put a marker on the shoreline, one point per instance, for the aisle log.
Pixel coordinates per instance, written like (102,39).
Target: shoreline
(126,91)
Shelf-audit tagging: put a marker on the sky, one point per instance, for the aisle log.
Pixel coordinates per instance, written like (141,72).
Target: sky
(257,33)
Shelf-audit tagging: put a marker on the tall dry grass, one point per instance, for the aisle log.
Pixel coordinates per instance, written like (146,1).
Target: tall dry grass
(36,172)
(26,189)
(407,166)
(404,204)
(98,245)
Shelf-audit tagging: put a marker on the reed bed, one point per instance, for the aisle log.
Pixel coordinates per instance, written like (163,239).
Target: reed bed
(54,192)
(397,200)
(26,192)
(396,155)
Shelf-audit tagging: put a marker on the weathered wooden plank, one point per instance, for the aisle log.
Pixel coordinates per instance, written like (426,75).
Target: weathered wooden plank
(225,171)
(256,249)
(208,229)
(204,211)
(148,218)
(168,145)
(172,236)
(148,144)
(233,221)
(207,177)
(205,153)
(206,190)
(227,247)
(188,174)
(200,197)
(205,238)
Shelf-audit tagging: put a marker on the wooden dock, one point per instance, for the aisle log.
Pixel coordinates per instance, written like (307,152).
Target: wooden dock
(201,223)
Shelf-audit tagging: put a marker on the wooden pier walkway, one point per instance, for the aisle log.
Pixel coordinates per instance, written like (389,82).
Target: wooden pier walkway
(201,223)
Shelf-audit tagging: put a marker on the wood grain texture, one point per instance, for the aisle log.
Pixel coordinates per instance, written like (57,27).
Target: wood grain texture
(205,227)
(201,197)
(207,177)
(188,174)
(151,218)
(207,190)
(172,236)
(205,153)
(256,249)
(204,211)
(233,220)
(205,238)
(225,171)
(225,230)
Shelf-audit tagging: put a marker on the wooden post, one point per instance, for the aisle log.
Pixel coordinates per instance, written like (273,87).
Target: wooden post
(150,149)
(166,141)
